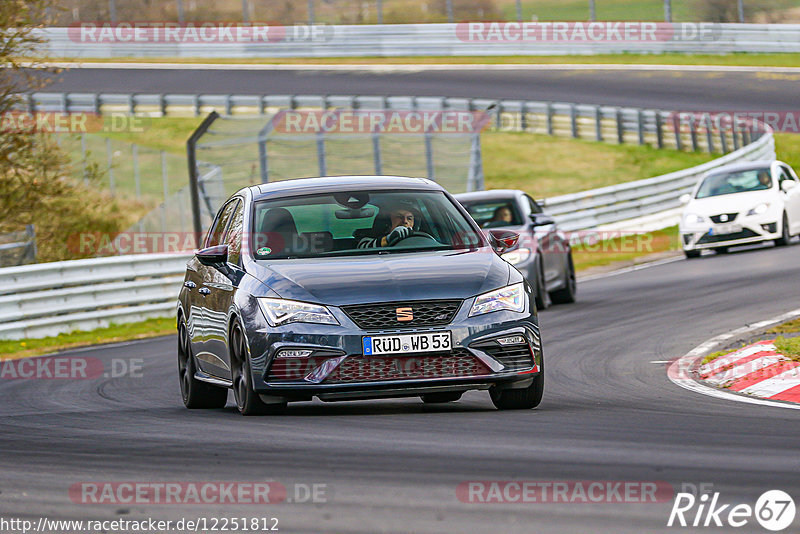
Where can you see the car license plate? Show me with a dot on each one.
(722, 229)
(398, 344)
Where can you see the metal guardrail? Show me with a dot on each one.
(49, 298)
(449, 40)
(621, 202)
(18, 248)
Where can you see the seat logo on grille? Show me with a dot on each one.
(404, 314)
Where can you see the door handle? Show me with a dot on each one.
(189, 284)
(204, 291)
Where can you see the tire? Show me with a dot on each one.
(566, 294)
(247, 400)
(690, 254)
(721, 250)
(195, 393)
(542, 297)
(440, 398)
(520, 399)
(785, 237)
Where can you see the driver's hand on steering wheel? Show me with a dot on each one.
(398, 234)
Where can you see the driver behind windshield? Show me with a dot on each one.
(401, 226)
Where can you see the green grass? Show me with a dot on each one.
(620, 251)
(786, 328)
(787, 146)
(789, 347)
(547, 166)
(10, 349)
(714, 355)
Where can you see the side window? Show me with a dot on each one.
(233, 236)
(785, 174)
(535, 208)
(220, 223)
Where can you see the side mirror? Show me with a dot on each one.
(212, 256)
(788, 185)
(541, 219)
(503, 240)
(685, 198)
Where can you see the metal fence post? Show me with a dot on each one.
(165, 185)
(181, 17)
(523, 119)
(323, 168)
(136, 176)
(191, 157)
(132, 103)
(620, 127)
(429, 156)
(709, 133)
(310, 12)
(97, 103)
(640, 125)
(245, 11)
(549, 117)
(162, 102)
(693, 133)
(498, 116)
(573, 120)
(110, 156)
(519, 10)
(83, 159)
(598, 123)
(676, 127)
(380, 11)
(449, 8)
(659, 129)
(31, 103)
(667, 10)
(376, 153)
(592, 11)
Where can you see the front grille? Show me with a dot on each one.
(357, 368)
(514, 358)
(729, 217)
(384, 315)
(745, 233)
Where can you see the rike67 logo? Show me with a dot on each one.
(774, 510)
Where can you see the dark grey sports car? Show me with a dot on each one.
(543, 253)
(349, 288)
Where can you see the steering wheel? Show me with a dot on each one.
(417, 233)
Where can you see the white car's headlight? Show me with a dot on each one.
(693, 218)
(759, 210)
(506, 298)
(281, 311)
(517, 256)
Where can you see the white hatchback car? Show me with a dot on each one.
(741, 204)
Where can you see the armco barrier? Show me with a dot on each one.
(451, 40)
(49, 298)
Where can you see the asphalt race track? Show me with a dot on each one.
(393, 466)
(674, 90)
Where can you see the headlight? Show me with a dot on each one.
(280, 312)
(517, 256)
(506, 298)
(758, 210)
(693, 218)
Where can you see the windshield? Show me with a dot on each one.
(493, 213)
(362, 222)
(735, 182)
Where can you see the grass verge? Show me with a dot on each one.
(786, 328)
(735, 60)
(13, 349)
(789, 347)
(625, 249)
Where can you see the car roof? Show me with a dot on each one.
(333, 184)
(746, 166)
(490, 194)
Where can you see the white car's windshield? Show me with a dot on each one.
(735, 182)
(363, 222)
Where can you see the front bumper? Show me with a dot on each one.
(741, 231)
(337, 369)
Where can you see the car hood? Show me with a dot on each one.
(385, 277)
(734, 203)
